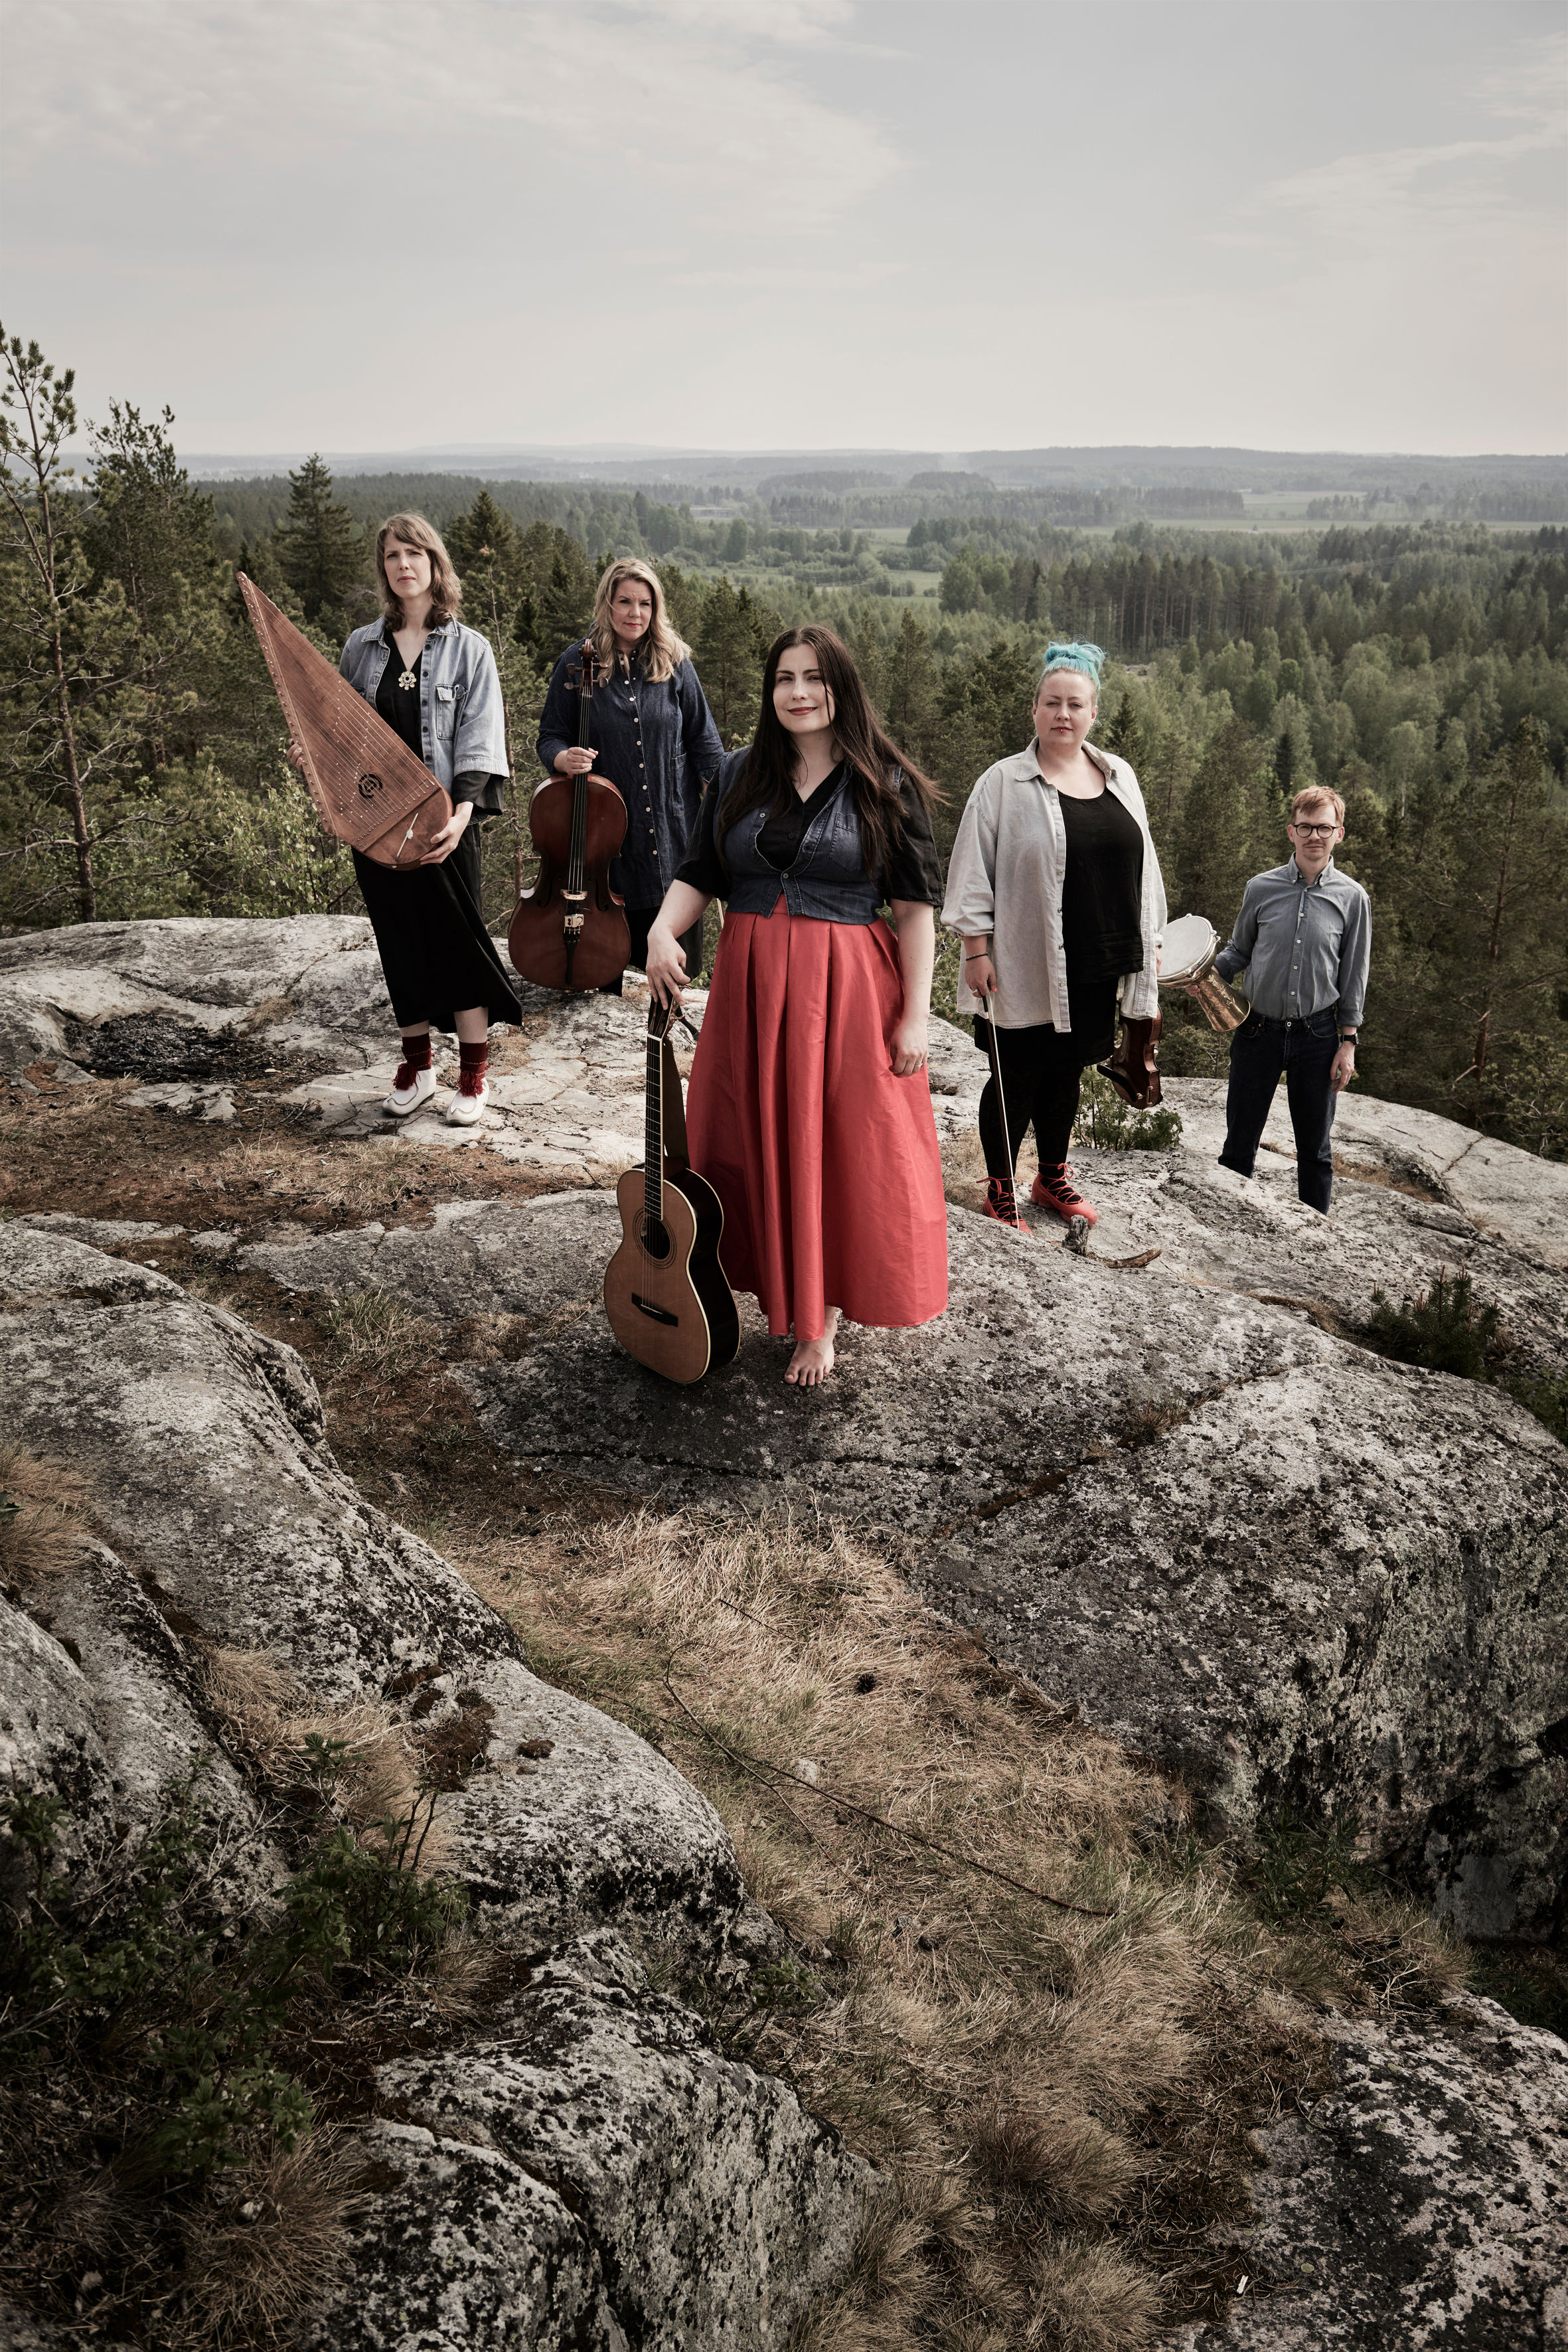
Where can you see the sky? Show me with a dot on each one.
(938, 224)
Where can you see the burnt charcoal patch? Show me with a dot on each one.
(162, 1050)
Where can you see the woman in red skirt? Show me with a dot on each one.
(809, 1108)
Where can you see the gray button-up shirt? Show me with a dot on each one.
(1304, 946)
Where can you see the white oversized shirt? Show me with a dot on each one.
(1004, 882)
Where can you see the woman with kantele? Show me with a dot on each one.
(809, 1108)
(1055, 888)
(654, 740)
(435, 683)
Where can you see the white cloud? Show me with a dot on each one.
(1428, 192)
(691, 93)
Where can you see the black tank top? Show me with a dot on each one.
(1102, 930)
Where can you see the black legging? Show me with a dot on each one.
(1042, 1070)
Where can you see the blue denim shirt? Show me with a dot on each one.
(461, 720)
(1305, 946)
(659, 748)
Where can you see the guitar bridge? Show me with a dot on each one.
(655, 1314)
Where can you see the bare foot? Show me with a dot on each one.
(813, 1359)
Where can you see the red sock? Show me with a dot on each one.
(416, 1058)
(472, 1061)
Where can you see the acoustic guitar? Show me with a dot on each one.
(665, 1292)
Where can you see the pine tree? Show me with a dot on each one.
(1231, 826)
(909, 689)
(1510, 852)
(729, 662)
(1120, 732)
(485, 536)
(319, 547)
(566, 606)
(147, 525)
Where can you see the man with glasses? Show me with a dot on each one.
(1304, 937)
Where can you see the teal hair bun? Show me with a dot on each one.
(1089, 659)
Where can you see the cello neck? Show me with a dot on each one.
(577, 854)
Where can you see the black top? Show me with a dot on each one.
(1102, 930)
(912, 870)
(399, 705)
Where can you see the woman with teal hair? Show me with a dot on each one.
(1055, 888)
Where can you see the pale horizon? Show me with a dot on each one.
(799, 225)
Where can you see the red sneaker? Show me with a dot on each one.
(1002, 1202)
(1052, 1190)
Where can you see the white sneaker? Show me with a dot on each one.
(403, 1099)
(467, 1110)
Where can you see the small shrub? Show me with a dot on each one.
(1547, 1400)
(1444, 1329)
(1105, 1123)
(1297, 1862)
(151, 2125)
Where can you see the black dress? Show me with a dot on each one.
(437, 957)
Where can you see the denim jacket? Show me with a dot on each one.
(461, 720)
(828, 882)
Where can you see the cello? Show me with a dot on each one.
(570, 930)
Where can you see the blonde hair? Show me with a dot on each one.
(1314, 796)
(445, 588)
(661, 652)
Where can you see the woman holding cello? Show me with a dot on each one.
(435, 683)
(809, 1107)
(654, 738)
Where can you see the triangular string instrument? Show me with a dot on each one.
(369, 789)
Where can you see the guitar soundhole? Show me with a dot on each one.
(654, 1239)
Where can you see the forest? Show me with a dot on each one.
(1418, 665)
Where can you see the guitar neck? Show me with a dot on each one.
(653, 1131)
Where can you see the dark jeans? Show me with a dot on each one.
(1305, 1050)
(639, 922)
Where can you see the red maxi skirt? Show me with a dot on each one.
(827, 1164)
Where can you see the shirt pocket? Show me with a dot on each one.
(444, 713)
(1331, 928)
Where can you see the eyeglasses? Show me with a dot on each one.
(1317, 832)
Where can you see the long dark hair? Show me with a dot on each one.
(875, 761)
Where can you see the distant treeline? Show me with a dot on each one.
(1421, 669)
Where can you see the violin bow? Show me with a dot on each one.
(997, 1070)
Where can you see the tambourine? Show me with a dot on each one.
(1192, 944)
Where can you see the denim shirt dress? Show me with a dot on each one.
(656, 744)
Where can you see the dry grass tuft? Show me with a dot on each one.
(357, 1762)
(1088, 2297)
(1060, 2099)
(374, 1341)
(1394, 1955)
(1072, 2165)
(42, 1533)
(277, 2245)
